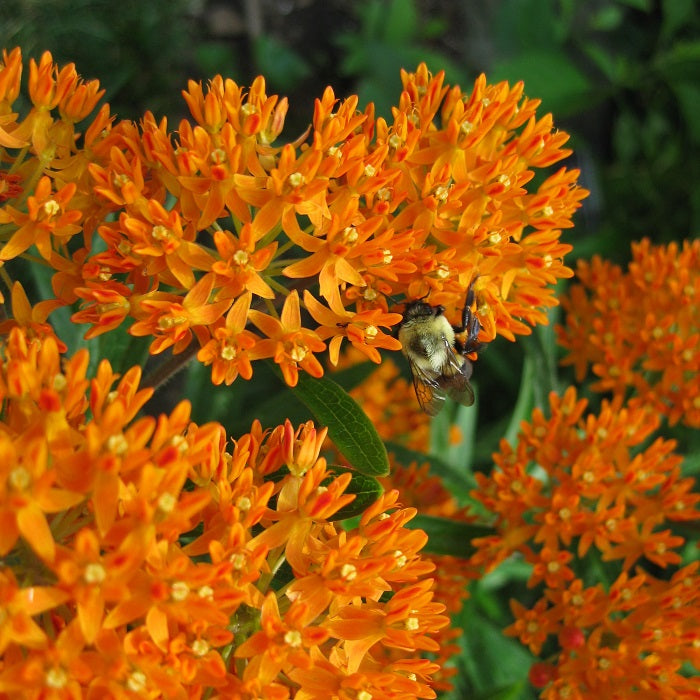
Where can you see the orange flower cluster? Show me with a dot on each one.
(577, 488)
(640, 329)
(389, 401)
(184, 235)
(144, 559)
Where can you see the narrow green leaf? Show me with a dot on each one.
(366, 489)
(447, 536)
(525, 401)
(350, 429)
(459, 456)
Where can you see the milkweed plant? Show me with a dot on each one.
(149, 555)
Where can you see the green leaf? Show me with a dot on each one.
(525, 401)
(281, 65)
(447, 536)
(366, 489)
(551, 76)
(349, 427)
(459, 456)
(491, 660)
(677, 14)
(509, 692)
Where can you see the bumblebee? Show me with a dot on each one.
(436, 355)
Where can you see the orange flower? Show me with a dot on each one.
(172, 323)
(48, 217)
(291, 345)
(227, 351)
(595, 488)
(109, 502)
(281, 642)
(639, 330)
(362, 329)
(413, 208)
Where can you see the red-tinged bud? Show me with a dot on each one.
(541, 674)
(571, 638)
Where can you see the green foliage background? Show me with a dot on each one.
(621, 76)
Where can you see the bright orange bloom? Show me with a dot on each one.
(291, 345)
(582, 482)
(172, 323)
(227, 351)
(361, 329)
(108, 502)
(359, 210)
(49, 222)
(639, 329)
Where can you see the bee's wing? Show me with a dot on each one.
(431, 396)
(454, 379)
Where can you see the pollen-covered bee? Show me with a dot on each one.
(436, 355)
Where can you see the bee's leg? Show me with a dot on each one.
(470, 324)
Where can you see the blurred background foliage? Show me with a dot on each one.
(621, 76)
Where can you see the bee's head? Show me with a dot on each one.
(421, 309)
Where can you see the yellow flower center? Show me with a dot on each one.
(369, 294)
(160, 233)
(199, 647)
(168, 322)
(51, 207)
(136, 682)
(298, 353)
(441, 193)
(349, 572)
(20, 479)
(206, 592)
(370, 170)
(293, 638)
(350, 234)
(228, 352)
(60, 382)
(179, 591)
(118, 444)
(56, 678)
(94, 573)
(241, 258)
(400, 558)
(167, 502)
(395, 141)
(218, 156)
(371, 332)
(296, 179)
(412, 624)
(238, 561)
